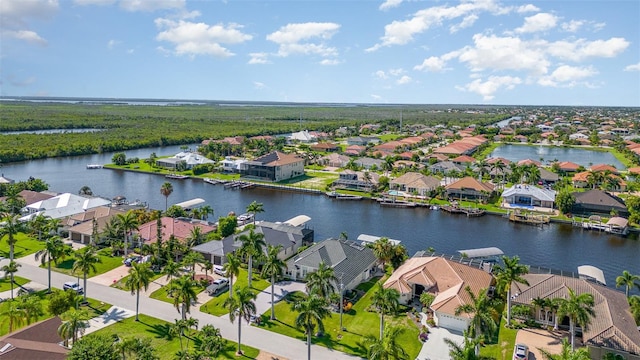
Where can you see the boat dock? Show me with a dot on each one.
(616, 225)
(528, 218)
(338, 196)
(236, 184)
(455, 209)
(214, 181)
(176, 176)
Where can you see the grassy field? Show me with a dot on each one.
(214, 306)
(165, 348)
(26, 245)
(312, 180)
(120, 283)
(503, 348)
(359, 323)
(5, 283)
(163, 295)
(107, 263)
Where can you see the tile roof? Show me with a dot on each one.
(277, 158)
(181, 229)
(471, 183)
(417, 180)
(36, 341)
(598, 197)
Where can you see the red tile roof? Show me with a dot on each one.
(180, 229)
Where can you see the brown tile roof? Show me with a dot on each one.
(31, 197)
(464, 159)
(37, 341)
(471, 183)
(180, 229)
(498, 159)
(278, 158)
(417, 180)
(568, 166)
(603, 167)
(529, 162)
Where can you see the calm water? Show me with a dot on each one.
(582, 157)
(556, 246)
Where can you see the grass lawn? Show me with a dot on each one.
(108, 263)
(163, 295)
(26, 245)
(120, 283)
(156, 330)
(359, 322)
(5, 283)
(312, 180)
(503, 348)
(214, 306)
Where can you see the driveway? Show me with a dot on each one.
(281, 289)
(111, 316)
(540, 339)
(435, 348)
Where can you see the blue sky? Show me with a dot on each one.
(394, 51)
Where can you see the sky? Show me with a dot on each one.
(572, 52)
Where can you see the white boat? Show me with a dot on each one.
(176, 176)
(94, 166)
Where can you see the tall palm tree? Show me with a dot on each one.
(386, 301)
(75, 323)
(383, 251)
(322, 281)
(506, 275)
(11, 227)
(628, 280)
(386, 348)
(579, 309)
(14, 313)
(183, 292)
(206, 211)
(311, 311)
(127, 222)
(255, 208)
(484, 313)
(38, 224)
(252, 246)
(232, 268)
(166, 189)
(191, 259)
(32, 306)
(54, 250)
(567, 353)
(139, 278)
(273, 267)
(466, 351)
(86, 260)
(634, 305)
(195, 237)
(172, 270)
(10, 269)
(241, 305)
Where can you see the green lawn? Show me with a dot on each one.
(26, 245)
(359, 323)
(156, 329)
(5, 283)
(503, 348)
(214, 306)
(120, 283)
(163, 295)
(108, 263)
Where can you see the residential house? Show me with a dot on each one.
(275, 166)
(301, 136)
(334, 160)
(5, 180)
(352, 262)
(469, 188)
(357, 180)
(464, 160)
(529, 162)
(415, 183)
(582, 180)
(568, 166)
(325, 147)
(612, 328)
(81, 226)
(548, 177)
(368, 163)
(233, 165)
(186, 160)
(447, 280)
(603, 167)
(63, 205)
(36, 341)
(31, 197)
(599, 202)
(179, 228)
(355, 150)
(522, 195)
(363, 140)
(446, 167)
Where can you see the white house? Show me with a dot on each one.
(190, 159)
(63, 205)
(529, 195)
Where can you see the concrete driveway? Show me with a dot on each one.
(540, 339)
(435, 348)
(111, 316)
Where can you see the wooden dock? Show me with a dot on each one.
(528, 218)
(470, 212)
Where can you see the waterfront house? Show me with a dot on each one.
(415, 183)
(568, 166)
(188, 160)
(447, 280)
(352, 262)
(368, 163)
(274, 166)
(301, 136)
(81, 226)
(598, 202)
(446, 167)
(470, 189)
(334, 160)
(581, 180)
(63, 205)
(5, 180)
(30, 196)
(36, 341)
(523, 195)
(179, 228)
(603, 167)
(232, 165)
(612, 328)
(216, 251)
(325, 147)
(357, 180)
(548, 177)
(363, 140)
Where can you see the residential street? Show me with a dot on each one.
(277, 344)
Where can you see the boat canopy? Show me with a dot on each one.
(298, 220)
(618, 221)
(372, 238)
(591, 273)
(482, 252)
(190, 203)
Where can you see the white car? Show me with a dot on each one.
(521, 352)
(217, 286)
(73, 286)
(218, 269)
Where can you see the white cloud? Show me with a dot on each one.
(388, 4)
(432, 64)
(151, 5)
(396, 72)
(130, 51)
(581, 49)
(403, 80)
(380, 74)
(527, 8)
(573, 25)
(25, 35)
(538, 22)
(16, 14)
(376, 97)
(567, 76)
(259, 58)
(633, 67)
(329, 62)
(93, 2)
(466, 22)
(190, 38)
(305, 39)
(112, 43)
(258, 85)
(488, 88)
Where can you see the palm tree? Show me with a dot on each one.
(183, 292)
(567, 353)
(54, 249)
(241, 305)
(321, 281)
(232, 268)
(579, 309)
(139, 278)
(76, 323)
(32, 306)
(85, 190)
(255, 208)
(634, 305)
(628, 280)
(191, 259)
(506, 275)
(172, 270)
(273, 267)
(205, 211)
(195, 237)
(383, 251)
(14, 313)
(466, 351)
(10, 269)
(543, 304)
(252, 245)
(211, 342)
(386, 301)
(127, 222)
(484, 315)
(206, 266)
(311, 311)
(11, 227)
(166, 189)
(86, 261)
(38, 224)
(386, 348)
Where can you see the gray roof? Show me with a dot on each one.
(347, 258)
(547, 175)
(530, 190)
(216, 247)
(598, 197)
(446, 166)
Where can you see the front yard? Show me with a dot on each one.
(214, 306)
(107, 263)
(25, 245)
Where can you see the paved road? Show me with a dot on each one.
(277, 344)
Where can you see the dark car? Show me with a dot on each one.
(131, 260)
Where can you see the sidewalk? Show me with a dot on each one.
(31, 286)
(111, 316)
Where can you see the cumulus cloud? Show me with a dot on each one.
(388, 4)
(573, 25)
(151, 5)
(191, 38)
(305, 39)
(581, 49)
(329, 62)
(432, 64)
(93, 2)
(404, 79)
(258, 58)
(567, 76)
(633, 67)
(258, 85)
(538, 22)
(466, 22)
(489, 87)
(380, 74)
(25, 35)
(527, 8)
(15, 16)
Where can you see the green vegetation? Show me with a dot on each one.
(162, 294)
(26, 245)
(158, 331)
(108, 263)
(215, 307)
(120, 283)
(5, 283)
(502, 348)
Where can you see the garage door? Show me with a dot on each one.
(452, 322)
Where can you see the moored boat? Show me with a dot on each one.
(176, 176)
(94, 166)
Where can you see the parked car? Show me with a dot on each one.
(130, 260)
(73, 286)
(521, 352)
(218, 269)
(217, 286)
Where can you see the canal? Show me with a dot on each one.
(555, 246)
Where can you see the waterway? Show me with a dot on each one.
(579, 156)
(556, 246)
